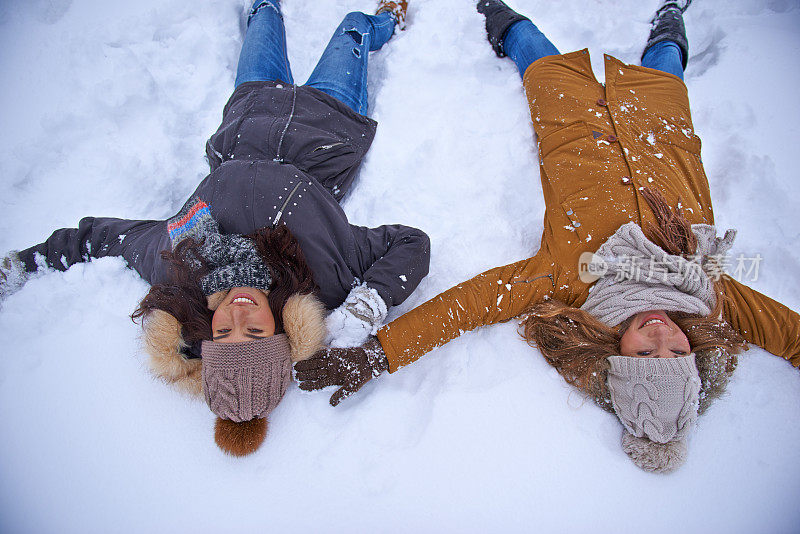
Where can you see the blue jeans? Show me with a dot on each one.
(342, 69)
(524, 44)
(665, 56)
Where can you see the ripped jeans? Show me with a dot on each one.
(341, 71)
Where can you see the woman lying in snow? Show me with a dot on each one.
(242, 273)
(647, 326)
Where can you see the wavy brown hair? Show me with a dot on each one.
(182, 297)
(578, 344)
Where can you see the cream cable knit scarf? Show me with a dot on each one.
(636, 275)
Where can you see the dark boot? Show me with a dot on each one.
(499, 18)
(668, 26)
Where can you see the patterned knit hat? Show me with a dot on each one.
(304, 323)
(247, 380)
(656, 400)
(242, 383)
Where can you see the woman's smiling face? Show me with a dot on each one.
(652, 334)
(243, 315)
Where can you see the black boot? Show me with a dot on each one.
(668, 26)
(499, 18)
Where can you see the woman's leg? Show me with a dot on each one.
(664, 56)
(342, 69)
(525, 43)
(667, 48)
(514, 35)
(263, 56)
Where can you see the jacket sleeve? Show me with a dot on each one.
(762, 321)
(393, 259)
(139, 242)
(497, 295)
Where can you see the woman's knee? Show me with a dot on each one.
(356, 24)
(259, 5)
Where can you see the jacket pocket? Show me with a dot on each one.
(581, 177)
(221, 145)
(689, 143)
(689, 183)
(328, 160)
(562, 137)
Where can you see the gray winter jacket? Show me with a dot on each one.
(284, 154)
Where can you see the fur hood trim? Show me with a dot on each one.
(303, 321)
(163, 342)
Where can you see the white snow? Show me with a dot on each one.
(106, 109)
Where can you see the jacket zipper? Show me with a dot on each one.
(326, 147)
(278, 158)
(280, 211)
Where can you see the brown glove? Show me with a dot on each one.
(350, 368)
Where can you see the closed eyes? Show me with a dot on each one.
(649, 352)
(252, 333)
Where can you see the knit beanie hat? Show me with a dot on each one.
(656, 400)
(247, 380)
(242, 383)
(304, 324)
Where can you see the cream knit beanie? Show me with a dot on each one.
(656, 400)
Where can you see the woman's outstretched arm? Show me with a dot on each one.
(392, 260)
(497, 295)
(494, 296)
(137, 241)
(395, 259)
(762, 321)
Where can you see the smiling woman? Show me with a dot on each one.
(243, 315)
(623, 183)
(654, 335)
(242, 273)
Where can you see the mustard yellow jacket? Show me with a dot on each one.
(598, 147)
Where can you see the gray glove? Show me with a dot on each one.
(359, 316)
(350, 368)
(12, 275)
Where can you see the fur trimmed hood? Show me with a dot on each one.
(303, 321)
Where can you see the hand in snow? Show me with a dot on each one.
(12, 275)
(350, 368)
(360, 315)
(345, 329)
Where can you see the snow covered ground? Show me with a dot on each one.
(106, 107)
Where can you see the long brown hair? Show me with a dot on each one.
(578, 344)
(182, 297)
